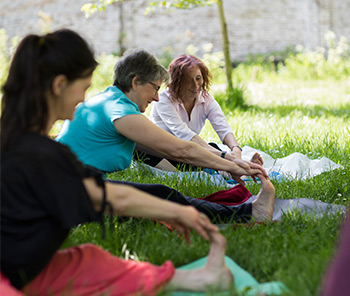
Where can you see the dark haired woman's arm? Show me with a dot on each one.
(128, 201)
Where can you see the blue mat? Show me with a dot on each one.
(272, 176)
(244, 283)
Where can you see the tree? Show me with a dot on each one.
(187, 4)
(98, 5)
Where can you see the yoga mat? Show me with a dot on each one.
(244, 283)
(295, 166)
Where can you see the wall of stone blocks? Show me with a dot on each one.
(254, 26)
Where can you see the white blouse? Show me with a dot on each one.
(172, 116)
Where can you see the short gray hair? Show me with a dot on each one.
(139, 63)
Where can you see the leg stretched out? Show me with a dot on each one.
(214, 275)
(261, 209)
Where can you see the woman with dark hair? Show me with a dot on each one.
(106, 128)
(185, 106)
(46, 190)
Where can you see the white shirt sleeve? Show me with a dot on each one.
(217, 119)
(167, 116)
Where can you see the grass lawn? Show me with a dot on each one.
(310, 117)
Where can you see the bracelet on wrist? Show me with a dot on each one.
(234, 146)
(223, 153)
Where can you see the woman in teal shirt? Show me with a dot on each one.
(106, 127)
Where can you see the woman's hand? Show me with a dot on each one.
(247, 168)
(232, 155)
(188, 217)
(236, 153)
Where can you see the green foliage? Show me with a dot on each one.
(97, 5)
(167, 56)
(231, 99)
(182, 4)
(331, 62)
(104, 73)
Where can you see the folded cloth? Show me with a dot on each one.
(244, 283)
(230, 197)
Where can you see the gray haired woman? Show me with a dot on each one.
(106, 128)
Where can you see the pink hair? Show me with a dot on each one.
(177, 70)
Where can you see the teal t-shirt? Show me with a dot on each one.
(92, 136)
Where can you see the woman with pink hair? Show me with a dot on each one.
(185, 106)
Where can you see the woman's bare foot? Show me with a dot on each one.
(256, 158)
(263, 204)
(219, 277)
(215, 275)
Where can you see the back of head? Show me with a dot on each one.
(35, 64)
(178, 69)
(139, 63)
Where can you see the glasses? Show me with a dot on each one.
(155, 87)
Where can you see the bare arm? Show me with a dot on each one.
(197, 139)
(231, 142)
(142, 131)
(128, 201)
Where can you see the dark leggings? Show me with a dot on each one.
(154, 160)
(217, 213)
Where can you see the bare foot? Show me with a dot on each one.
(215, 275)
(219, 277)
(263, 204)
(256, 158)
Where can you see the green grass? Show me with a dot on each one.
(279, 121)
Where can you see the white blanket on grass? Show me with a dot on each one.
(293, 166)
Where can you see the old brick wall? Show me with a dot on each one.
(254, 26)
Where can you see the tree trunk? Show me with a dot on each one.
(226, 46)
(121, 39)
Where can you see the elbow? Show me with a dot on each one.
(117, 197)
(185, 151)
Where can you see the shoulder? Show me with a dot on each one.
(165, 100)
(113, 103)
(33, 143)
(165, 96)
(210, 101)
(207, 97)
(206, 100)
(34, 150)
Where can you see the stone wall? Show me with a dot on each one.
(254, 26)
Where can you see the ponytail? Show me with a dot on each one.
(36, 62)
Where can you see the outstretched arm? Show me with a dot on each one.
(197, 139)
(229, 140)
(142, 131)
(128, 201)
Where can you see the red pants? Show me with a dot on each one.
(89, 270)
(6, 289)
